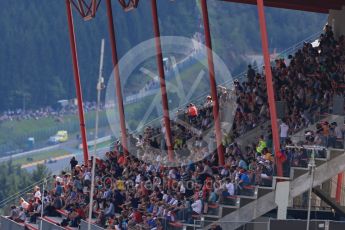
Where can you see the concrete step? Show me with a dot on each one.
(329, 200)
(31, 226)
(298, 185)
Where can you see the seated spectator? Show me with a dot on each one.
(51, 208)
(229, 188)
(21, 216)
(110, 210)
(14, 213)
(243, 181)
(37, 211)
(197, 206)
(23, 204)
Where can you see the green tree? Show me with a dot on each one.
(17, 182)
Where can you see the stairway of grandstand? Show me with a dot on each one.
(232, 211)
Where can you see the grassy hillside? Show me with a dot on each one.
(35, 60)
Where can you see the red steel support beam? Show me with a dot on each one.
(159, 57)
(213, 85)
(269, 83)
(80, 8)
(117, 77)
(94, 8)
(339, 187)
(77, 80)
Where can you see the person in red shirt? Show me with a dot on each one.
(192, 112)
(137, 217)
(122, 160)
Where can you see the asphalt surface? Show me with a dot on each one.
(63, 164)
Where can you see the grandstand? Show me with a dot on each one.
(257, 176)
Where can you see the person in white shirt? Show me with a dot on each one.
(58, 179)
(37, 193)
(230, 187)
(284, 129)
(338, 135)
(172, 174)
(197, 206)
(23, 203)
(182, 188)
(87, 178)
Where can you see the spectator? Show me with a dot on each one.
(37, 193)
(284, 129)
(14, 213)
(192, 112)
(37, 211)
(243, 181)
(73, 162)
(21, 216)
(23, 204)
(121, 180)
(338, 134)
(229, 188)
(250, 74)
(197, 206)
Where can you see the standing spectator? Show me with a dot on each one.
(250, 74)
(284, 129)
(192, 112)
(338, 135)
(73, 163)
(261, 145)
(37, 193)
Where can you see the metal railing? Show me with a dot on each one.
(24, 193)
(292, 49)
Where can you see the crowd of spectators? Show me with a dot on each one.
(306, 85)
(57, 113)
(138, 190)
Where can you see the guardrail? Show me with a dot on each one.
(7, 224)
(84, 226)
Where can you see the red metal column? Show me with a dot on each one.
(162, 80)
(77, 80)
(339, 187)
(213, 85)
(94, 8)
(117, 77)
(269, 83)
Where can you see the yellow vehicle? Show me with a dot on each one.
(59, 137)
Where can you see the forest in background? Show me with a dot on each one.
(35, 60)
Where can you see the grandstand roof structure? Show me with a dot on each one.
(318, 6)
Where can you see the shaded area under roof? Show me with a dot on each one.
(318, 6)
